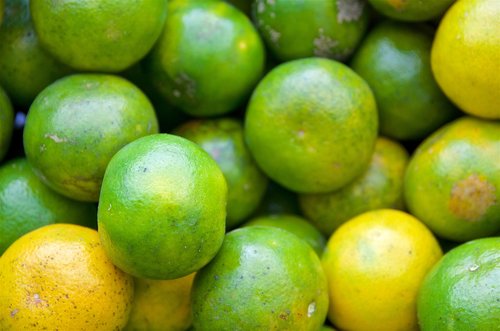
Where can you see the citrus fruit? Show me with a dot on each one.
(311, 125)
(223, 140)
(27, 204)
(6, 123)
(394, 59)
(2, 6)
(77, 124)
(278, 200)
(208, 59)
(452, 182)
(468, 34)
(25, 68)
(375, 264)
(162, 207)
(161, 305)
(106, 36)
(411, 10)
(462, 292)
(59, 278)
(263, 278)
(380, 186)
(293, 224)
(304, 28)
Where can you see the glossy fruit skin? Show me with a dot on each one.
(452, 182)
(27, 204)
(297, 225)
(77, 124)
(375, 264)
(161, 305)
(411, 10)
(223, 140)
(59, 278)
(263, 278)
(461, 292)
(116, 33)
(380, 186)
(394, 59)
(25, 67)
(6, 123)
(189, 64)
(162, 207)
(468, 33)
(303, 28)
(311, 125)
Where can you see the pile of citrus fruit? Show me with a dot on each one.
(250, 165)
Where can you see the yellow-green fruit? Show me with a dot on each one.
(77, 124)
(263, 278)
(380, 186)
(375, 264)
(27, 204)
(59, 278)
(161, 305)
(25, 67)
(223, 140)
(452, 182)
(311, 125)
(411, 10)
(462, 291)
(6, 123)
(95, 35)
(162, 207)
(208, 59)
(304, 28)
(465, 58)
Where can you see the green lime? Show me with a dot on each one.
(6, 123)
(162, 207)
(311, 125)
(77, 124)
(263, 278)
(462, 292)
(27, 204)
(294, 224)
(278, 200)
(380, 186)
(394, 59)
(208, 59)
(452, 182)
(25, 68)
(411, 10)
(304, 28)
(99, 35)
(223, 140)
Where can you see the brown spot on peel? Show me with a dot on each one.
(471, 197)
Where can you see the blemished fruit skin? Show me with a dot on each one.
(95, 35)
(462, 291)
(77, 124)
(411, 10)
(27, 204)
(161, 305)
(380, 186)
(297, 225)
(223, 139)
(465, 57)
(452, 182)
(25, 67)
(59, 278)
(304, 28)
(375, 264)
(6, 123)
(395, 61)
(311, 125)
(208, 59)
(263, 278)
(162, 207)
